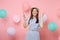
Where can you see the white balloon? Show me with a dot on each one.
(11, 31)
(16, 19)
(45, 17)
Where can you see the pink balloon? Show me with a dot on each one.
(26, 7)
(16, 19)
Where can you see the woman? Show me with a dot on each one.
(34, 23)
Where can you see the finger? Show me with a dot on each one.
(24, 16)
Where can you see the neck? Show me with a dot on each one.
(34, 16)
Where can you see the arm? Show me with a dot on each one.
(41, 23)
(25, 23)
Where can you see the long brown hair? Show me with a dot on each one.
(31, 17)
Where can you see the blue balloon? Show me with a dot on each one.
(3, 13)
(52, 26)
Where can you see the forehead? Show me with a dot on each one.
(34, 9)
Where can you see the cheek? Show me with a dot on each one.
(34, 13)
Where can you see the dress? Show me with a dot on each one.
(31, 34)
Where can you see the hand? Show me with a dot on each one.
(41, 24)
(25, 23)
(42, 14)
(24, 17)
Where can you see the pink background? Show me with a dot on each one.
(14, 7)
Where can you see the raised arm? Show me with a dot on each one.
(25, 21)
(41, 21)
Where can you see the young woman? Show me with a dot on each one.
(34, 23)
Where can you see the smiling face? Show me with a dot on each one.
(34, 12)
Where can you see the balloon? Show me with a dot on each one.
(26, 7)
(52, 26)
(11, 31)
(16, 19)
(45, 17)
(3, 13)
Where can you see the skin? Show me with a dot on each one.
(34, 15)
(34, 12)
